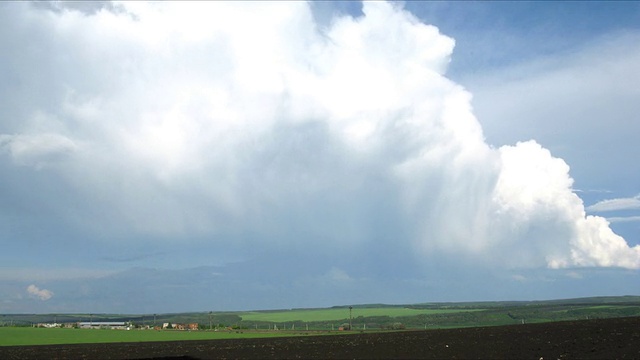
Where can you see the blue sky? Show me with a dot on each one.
(166, 157)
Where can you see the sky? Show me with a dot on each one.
(219, 156)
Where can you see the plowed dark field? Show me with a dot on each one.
(588, 339)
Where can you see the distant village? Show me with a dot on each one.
(117, 325)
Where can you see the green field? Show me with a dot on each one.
(17, 329)
(335, 314)
(42, 336)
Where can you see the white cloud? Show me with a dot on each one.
(37, 150)
(338, 275)
(616, 204)
(245, 124)
(595, 244)
(40, 294)
(574, 275)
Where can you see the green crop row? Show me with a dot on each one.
(41, 336)
(336, 314)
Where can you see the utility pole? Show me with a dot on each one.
(350, 308)
(209, 320)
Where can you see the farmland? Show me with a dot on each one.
(336, 314)
(41, 336)
(17, 329)
(617, 338)
(445, 315)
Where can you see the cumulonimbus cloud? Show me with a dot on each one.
(246, 120)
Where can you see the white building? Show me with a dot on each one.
(103, 325)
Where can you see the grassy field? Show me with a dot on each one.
(335, 314)
(42, 336)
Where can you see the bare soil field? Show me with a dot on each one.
(617, 338)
